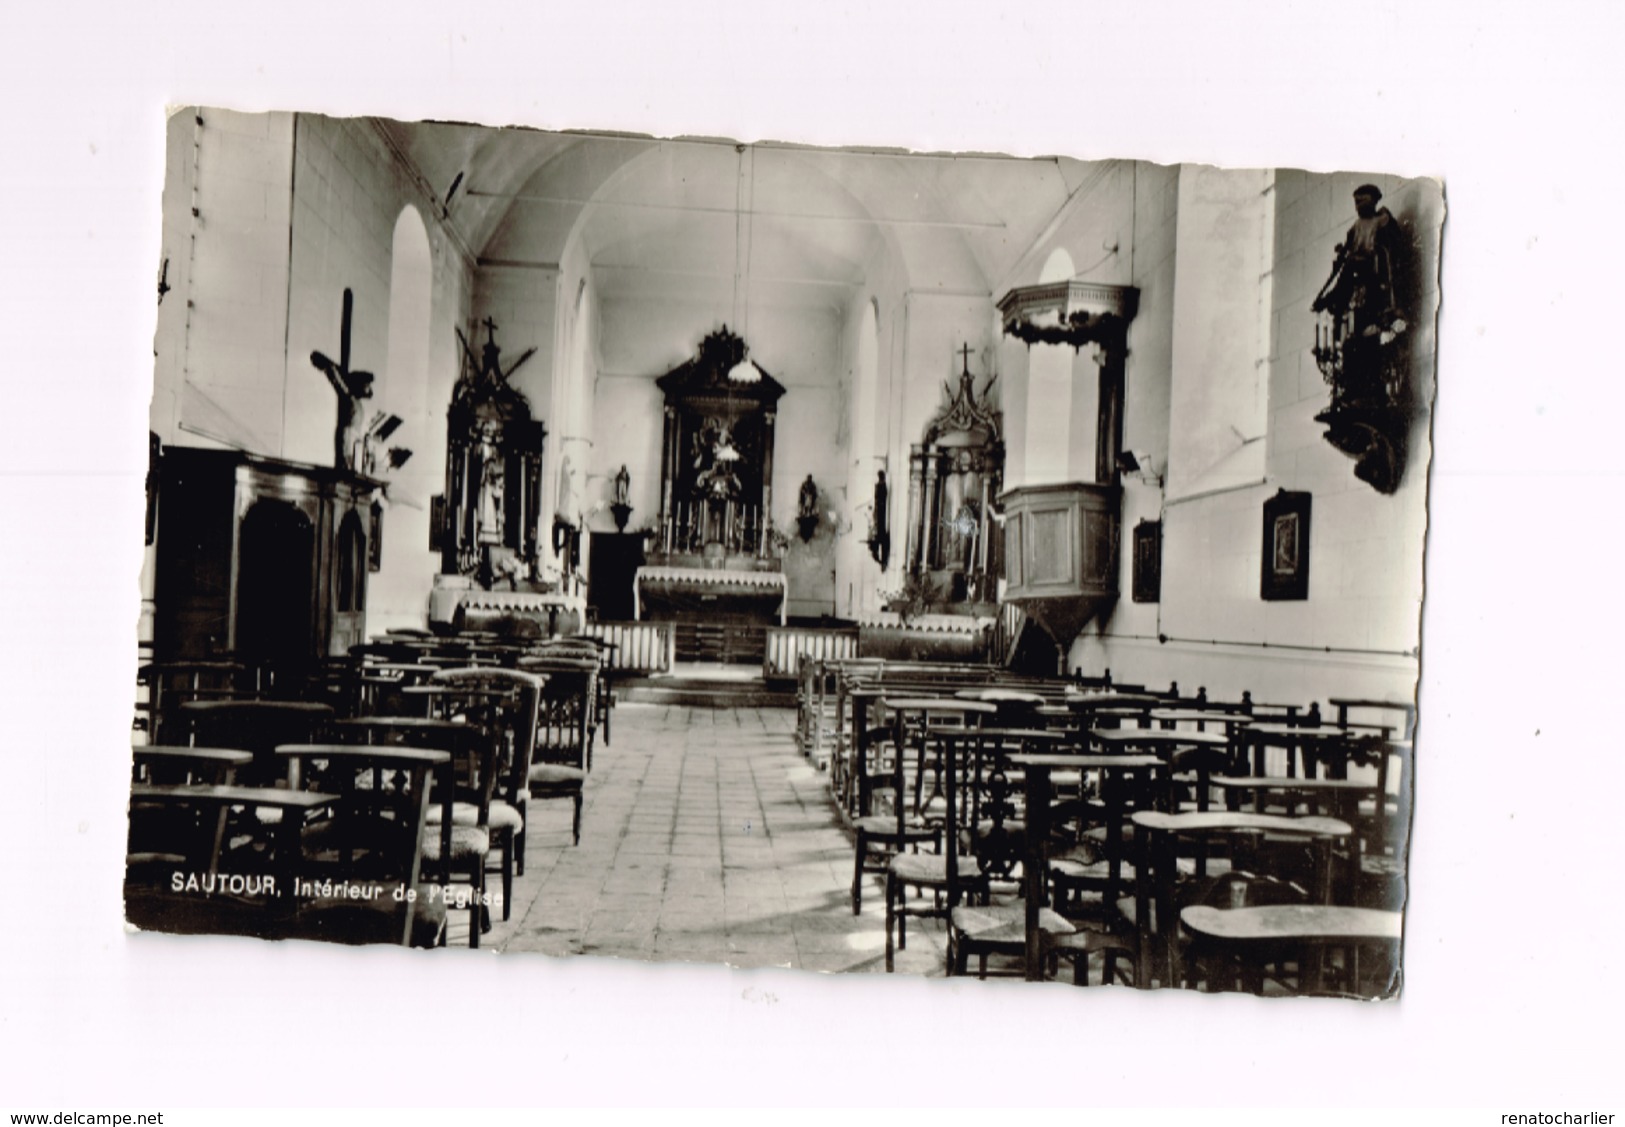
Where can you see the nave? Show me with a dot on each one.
(707, 838)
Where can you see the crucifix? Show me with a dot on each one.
(490, 367)
(350, 388)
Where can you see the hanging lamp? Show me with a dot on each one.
(744, 371)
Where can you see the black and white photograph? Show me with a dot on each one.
(651, 683)
(751, 556)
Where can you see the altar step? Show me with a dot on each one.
(701, 688)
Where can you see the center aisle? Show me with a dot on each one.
(705, 838)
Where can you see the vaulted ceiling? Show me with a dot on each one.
(783, 224)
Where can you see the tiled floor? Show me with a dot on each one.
(705, 838)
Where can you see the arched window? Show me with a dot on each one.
(411, 279)
(400, 557)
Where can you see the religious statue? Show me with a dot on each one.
(960, 516)
(351, 388)
(1361, 284)
(879, 535)
(807, 509)
(1360, 345)
(621, 507)
(714, 456)
(568, 508)
(491, 487)
(493, 495)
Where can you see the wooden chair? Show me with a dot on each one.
(878, 837)
(178, 880)
(512, 718)
(460, 853)
(1237, 944)
(594, 649)
(257, 726)
(1161, 890)
(925, 873)
(337, 865)
(561, 757)
(164, 686)
(201, 766)
(363, 862)
(998, 929)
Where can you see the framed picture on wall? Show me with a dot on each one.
(1148, 561)
(1285, 573)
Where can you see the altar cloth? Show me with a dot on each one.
(707, 582)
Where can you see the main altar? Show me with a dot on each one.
(716, 557)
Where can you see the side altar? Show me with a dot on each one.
(715, 557)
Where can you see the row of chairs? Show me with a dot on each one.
(1090, 881)
(445, 792)
(366, 679)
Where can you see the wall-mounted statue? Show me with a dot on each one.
(807, 509)
(351, 388)
(621, 507)
(879, 533)
(1361, 344)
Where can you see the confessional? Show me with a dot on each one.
(259, 557)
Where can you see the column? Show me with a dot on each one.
(930, 516)
(1109, 427)
(916, 506)
(668, 442)
(768, 431)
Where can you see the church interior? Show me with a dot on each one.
(892, 561)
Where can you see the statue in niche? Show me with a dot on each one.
(491, 486)
(1360, 344)
(956, 467)
(493, 465)
(961, 516)
(714, 456)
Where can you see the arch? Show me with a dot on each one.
(581, 228)
(405, 565)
